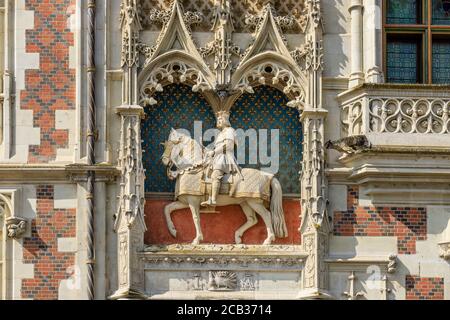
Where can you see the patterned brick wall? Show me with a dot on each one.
(407, 224)
(418, 288)
(41, 249)
(52, 86)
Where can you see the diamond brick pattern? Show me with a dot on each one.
(52, 86)
(41, 249)
(418, 288)
(407, 224)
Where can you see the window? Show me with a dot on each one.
(417, 41)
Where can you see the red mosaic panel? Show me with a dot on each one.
(407, 224)
(217, 228)
(418, 288)
(41, 249)
(51, 87)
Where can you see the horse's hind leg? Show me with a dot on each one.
(251, 221)
(167, 213)
(194, 205)
(265, 214)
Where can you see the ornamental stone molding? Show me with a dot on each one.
(222, 71)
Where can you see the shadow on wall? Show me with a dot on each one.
(334, 38)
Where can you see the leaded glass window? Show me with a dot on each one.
(416, 41)
(441, 12)
(441, 61)
(403, 11)
(402, 61)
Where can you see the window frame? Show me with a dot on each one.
(426, 29)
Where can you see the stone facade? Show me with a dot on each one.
(370, 218)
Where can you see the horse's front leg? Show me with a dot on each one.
(167, 213)
(194, 205)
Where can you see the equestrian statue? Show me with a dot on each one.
(210, 177)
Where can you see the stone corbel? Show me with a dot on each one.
(444, 246)
(16, 227)
(445, 250)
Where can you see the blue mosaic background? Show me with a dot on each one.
(179, 107)
(267, 109)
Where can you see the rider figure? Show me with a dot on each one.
(223, 160)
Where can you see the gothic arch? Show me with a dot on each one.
(174, 67)
(268, 60)
(175, 56)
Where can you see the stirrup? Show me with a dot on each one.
(208, 203)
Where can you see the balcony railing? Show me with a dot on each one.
(397, 114)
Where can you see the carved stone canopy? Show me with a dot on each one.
(177, 58)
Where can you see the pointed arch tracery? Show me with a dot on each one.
(174, 58)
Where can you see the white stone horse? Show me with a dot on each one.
(180, 151)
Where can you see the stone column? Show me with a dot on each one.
(130, 224)
(357, 74)
(372, 39)
(314, 226)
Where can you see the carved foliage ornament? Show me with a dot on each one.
(275, 73)
(132, 198)
(131, 25)
(271, 74)
(171, 72)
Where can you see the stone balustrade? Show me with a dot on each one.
(397, 115)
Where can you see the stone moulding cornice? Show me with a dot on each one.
(56, 173)
(226, 248)
(250, 262)
(370, 172)
(385, 89)
(243, 255)
(361, 263)
(103, 172)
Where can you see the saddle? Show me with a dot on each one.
(226, 184)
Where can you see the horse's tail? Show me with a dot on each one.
(276, 210)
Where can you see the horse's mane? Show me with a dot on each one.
(197, 164)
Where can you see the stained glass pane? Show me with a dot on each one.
(441, 61)
(441, 12)
(403, 12)
(402, 61)
(178, 107)
(267, 109)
